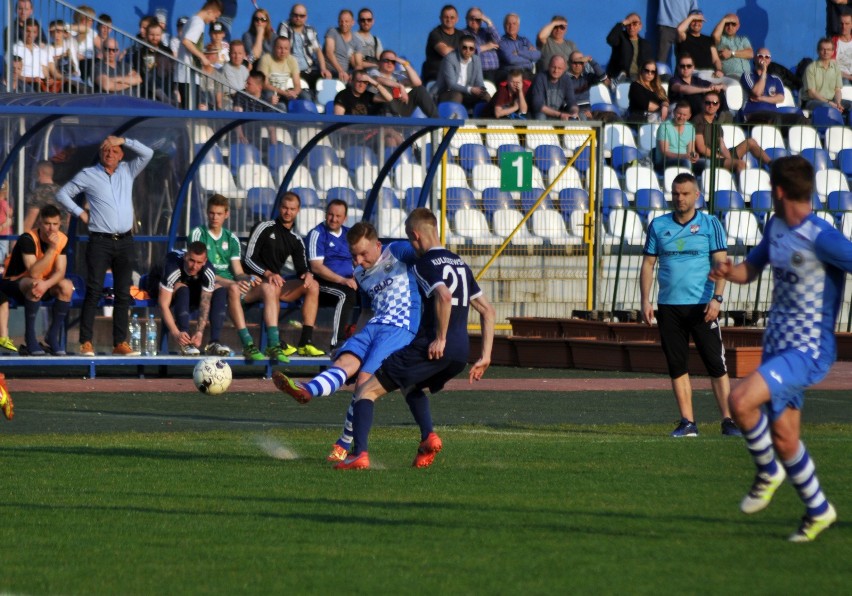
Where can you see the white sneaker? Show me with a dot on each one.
(761, 492)
(189, 350)
(812, 526)
(214, 348)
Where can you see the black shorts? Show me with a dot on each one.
(677, 323)
(411, 367)
(11, 288)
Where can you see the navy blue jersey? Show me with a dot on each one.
(173, 272)
(438, 267)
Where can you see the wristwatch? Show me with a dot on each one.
(718, 298)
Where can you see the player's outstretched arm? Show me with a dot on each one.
(486, 317)
(741, 273)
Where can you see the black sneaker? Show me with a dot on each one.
(730, 428)
(686, 428)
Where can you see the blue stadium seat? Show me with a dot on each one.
(776, 152)
(388, 199)
(573, 199)
(844, 161)
(479, 109)
(725, 200)
(647, 199)
(825, 116)
(309, 197)
(322, 155)
(243, 154)
(663, 69)
(583, 162)
(407, 156)
(459, 198)
(302, 106)
(839, 202)
(816, 202)
(280, 155)
(213, 156)
(549, 155)
(259, 202)
(623, 156)
(761, 205)
(529, 197)
(494, 199)
(345, 194)
(358, 155)
(509, 148)
(819, 158)
(412, 197)
(329, 107)
(451, 109)
(471, 154)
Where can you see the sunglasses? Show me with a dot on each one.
(649, 71)
(360, 82)
(710, 102)
(385, 60)
(475, 19)
(365, 20)
(577, 62)
(559, 27)
(112, 49)
(685, 66)
(470, 48)
(298, 16)
(261, 19)
(764, 56)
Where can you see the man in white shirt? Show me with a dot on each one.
(191, 51)
(843, 48)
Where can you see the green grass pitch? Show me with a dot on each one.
(534, 493)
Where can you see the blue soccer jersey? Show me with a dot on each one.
(391, 287)
(437, 267)
(332, 249)
(684, 253)
(809, 263)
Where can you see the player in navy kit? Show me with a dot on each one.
(809, 259)
(439, 351)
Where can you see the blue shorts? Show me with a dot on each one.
(788, 374)
(411, 367)
(374, 343)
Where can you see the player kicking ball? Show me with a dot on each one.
(439, 351)
(809, 260)
(386, 278)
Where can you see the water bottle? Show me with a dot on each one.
(135, 334)
(151, 336)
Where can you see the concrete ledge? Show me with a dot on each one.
(141, 362)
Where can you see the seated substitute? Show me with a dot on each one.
(188, 282)
(269, 246)
(35, 272)
(331, 264)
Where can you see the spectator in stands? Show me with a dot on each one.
(63, 52)
(371, 45)
(188, 283)
(699, 46)
(282, 73)
(143, 26)
(583, 74)
(229, 11)
(487, 42)
(84, 33)
(36, 58)
(259, 37)
(155, 66)
(217, 41)
(6, 219)
(16, 83)
(764, 93)
(442, 40)
(552, 95)
(516, 51)
(36, 272)
(112, 77)
(688, 86)
(108, 188)
(730, 159)
(342, 47)
(174, 42)
(629, 50)
(510, 101)
(42, 195)
(647, 96)
(270, 245)
(460, 77)
(210, 87)
(331, 264)
(834, 13)
(250, 101)
(234, 74)
(676, 140)
(357, 99)
(103, 30)
(305, 46)
(224, 254)
(734, 50)
(23, 12)
(843, 48)
(406, 88)
(551, 41)
(191, 54)
(671, 14)
(823, 82)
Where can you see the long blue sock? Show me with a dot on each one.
(759, 444)
(802, 474)
(60, 313)
(30, 313)
(418, 403)
(180, 306)
(327, 382)
(362, 421)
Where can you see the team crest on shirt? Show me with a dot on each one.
(224, 246)
(693, 229)
(797, 258)
(272, 236)
(388, 267)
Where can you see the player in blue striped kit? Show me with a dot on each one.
(385, 278)
(809, 259)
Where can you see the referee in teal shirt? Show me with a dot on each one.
(687, 243)
(108, 187)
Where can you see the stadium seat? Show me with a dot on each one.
(819, 158)
(742, 227)
(844, 161)
(358, 155)
(471, 224)
(769, 137)
(639, 176)
(839, 202)
(459, 198)
(825, 116)
(733, 135)
(342, 193)
(609, 179)
(388, 199)
(550, 226)
(625, 225)
(479, 109)
(509, 148)
(615, 135)
(818, 202)
(309, 218)
(570, 178)
(727, 200)
(407, 175)
(217, 179)
(623, 156)
(837, 138)
(302, 106)
(472, 154)
(327, 90)
(452, 110)
(353, 215)
(280, 155)
(505, 222)
(494, 199)
(583, 160)
(828, 181)
(542, 135)
(412, 198)
(485, 175)
(322, 155)
(734, 97)
(365, 176)
(330, 176)
(392, 223)
(669, 174)
(406, 156)
(801, 137)
(753, 180)
(506, 136)
(462, 138)
(302, 176)
(761, 204)
(308, 196)
(455, 175)
(573, 199)
(214, 155)
(648, 138)
(530, 197)
(622, 99)
(663, 69)
(612, 200)
(242, 154)
(600, 94)
(548, 155)
(255, 175)
(647, 200)
(259, 202)
(724, 181)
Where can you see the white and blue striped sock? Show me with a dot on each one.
(345, 439)
(759, 444)
(802, 474)
(327, 382)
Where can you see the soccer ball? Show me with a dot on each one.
(212, 376)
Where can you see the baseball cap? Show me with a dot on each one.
(182, 21)
(696, 12)
(217, 27)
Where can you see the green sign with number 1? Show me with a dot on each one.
(516, 171)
